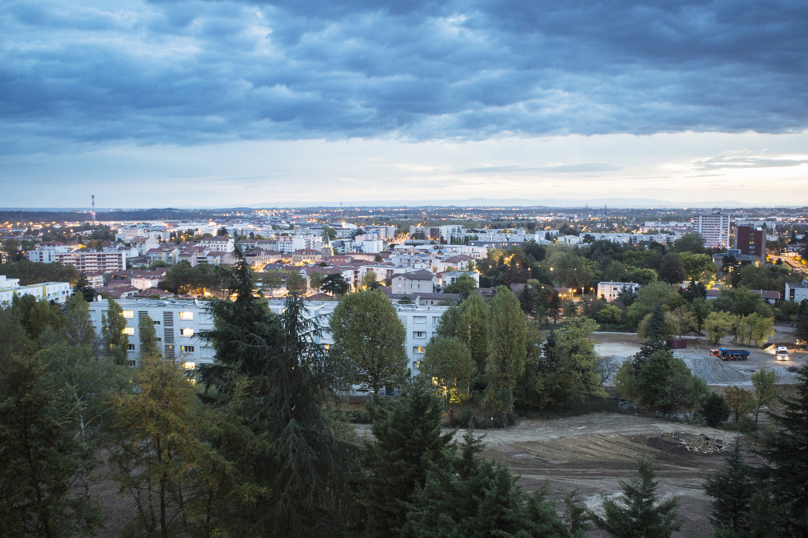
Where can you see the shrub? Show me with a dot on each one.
(715, 410)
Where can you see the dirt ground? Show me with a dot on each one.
(591, 453)
(619, 346)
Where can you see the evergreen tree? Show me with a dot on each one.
(784, 450)
(640, 515)
(472, 497)
(801, 331)
(656, 325)
(407, 441)
(41, 459)
(273, 384)
(732, 489)
(715, 410)
(83, 289)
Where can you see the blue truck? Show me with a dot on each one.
(730, 354)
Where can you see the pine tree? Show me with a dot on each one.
(469, 496)
(407, 441)
(641, 515)
(732, 489)
(801, 331)
(656, 325)
(784, 450)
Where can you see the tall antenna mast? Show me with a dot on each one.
(93, 213)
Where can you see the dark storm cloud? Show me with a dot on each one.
(190, 72)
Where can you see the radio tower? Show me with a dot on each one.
(93, 212)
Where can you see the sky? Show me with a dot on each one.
(189, 103)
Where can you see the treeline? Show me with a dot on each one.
(29, 272)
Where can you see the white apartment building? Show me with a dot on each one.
(223, 244)
(179, 323)
(58, 292)
(93, 262)
(44, 252)
(714, 228)
(611, 290)
(797, 291)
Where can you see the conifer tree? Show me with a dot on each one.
(640, 515)
(656, 325)
(784, 450)
(732, 489)
(801, 331)
(407, 441)
(469, 496)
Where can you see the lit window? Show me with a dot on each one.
(186, 349)
(418, 349)
(188, 365)
(187, 332)
(128, 314)
(129, 330)
(186, 315)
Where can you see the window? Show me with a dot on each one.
(129, 330)
(419, 334)
(128, 314)
(187, 315)
(419, 319)
(416, 365)
(188, 365)
(186, 349)
(418, 349)
(130, 347)
(435, 321)
(187, 332)
(157, 323)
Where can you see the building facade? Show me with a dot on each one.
(611, 290)
(93, 262)
(58, 292)
(714, 228)
(797, 291)
(750, 242)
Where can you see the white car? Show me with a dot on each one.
(781, 353)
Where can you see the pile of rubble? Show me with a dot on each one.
(701, 443)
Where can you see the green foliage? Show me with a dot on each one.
(665, 384)
(463, 285)
(506, 348)
(156, 449)
(271, 387)
(732, 489)
(784, 449)
(718, 325)
(116, 342)
(407, 441)
(29, 272)
(295, 283)
(801, 330)
(672, 268)
(563, 369)
(701, 310)
(740, 401)
(610, 315)
(625, 381)
(37, 317)
(641, 514)
(42, 462)
(692, 242)
(448, 360)
(148, 337)
(182, 279)
(271, 281)
(655, 326)
(715, 410)
(741, 302)
(470, 496)
(336, 285)
(571, 270)
(366, 328)
(698, 266)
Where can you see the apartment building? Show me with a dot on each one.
(797, 291)
(178, 324)
(93, 262)
(45, 252)
(714, 228)
(58, 292)
(611, 290)
(750, 242)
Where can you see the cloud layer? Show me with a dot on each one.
(192, 72)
